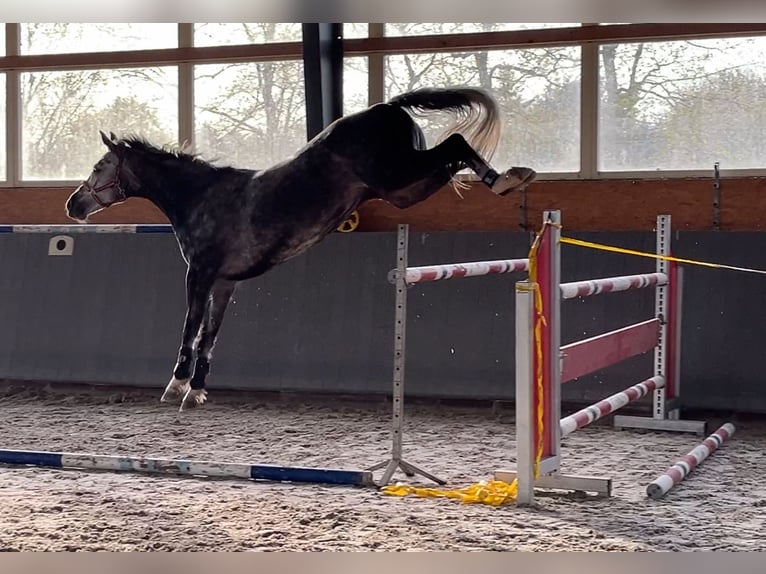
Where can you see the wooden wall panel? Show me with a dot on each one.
(46, 206)
(597, 205)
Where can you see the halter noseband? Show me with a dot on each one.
(114, 183)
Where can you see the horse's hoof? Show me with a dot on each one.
(515, 179)
(175, 389)
(193, 398)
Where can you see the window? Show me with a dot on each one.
(678, 105)
(222, 34)
(249, 115)
(355, 30)
(411, 29)
(538, 91)
(355, 84)
(682, 105)
(63, 111)
(63, 38)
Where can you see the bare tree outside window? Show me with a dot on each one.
(682, 105)
(538, 91)
(679, 105)
(62, 113)
(250, 115)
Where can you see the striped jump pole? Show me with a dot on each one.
(612, 285)
(428, 273)
(592, 413)
(661, 485)
(88, 228)
(192, 468)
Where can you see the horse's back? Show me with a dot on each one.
(373, 130)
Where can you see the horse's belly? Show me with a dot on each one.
(296, 247)
(255, 258)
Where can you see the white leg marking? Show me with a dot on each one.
(193, 398)
(175, 389)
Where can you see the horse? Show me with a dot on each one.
(233, 224)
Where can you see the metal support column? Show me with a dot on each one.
(400, 330)
(668, 301)
(323, 74)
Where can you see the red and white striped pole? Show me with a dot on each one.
(608, 405)
(682, 468)
(612, 285)
(428, 273)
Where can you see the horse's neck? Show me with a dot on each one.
(171, 196)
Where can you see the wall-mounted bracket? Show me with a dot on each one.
(61, 245)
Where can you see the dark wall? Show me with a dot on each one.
(112, 313)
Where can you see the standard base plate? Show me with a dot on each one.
(600, 486)
(648, 423)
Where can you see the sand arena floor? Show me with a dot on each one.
(722, 506)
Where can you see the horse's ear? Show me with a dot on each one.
(112, 136)
(107, 142)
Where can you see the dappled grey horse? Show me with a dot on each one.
(235, 224)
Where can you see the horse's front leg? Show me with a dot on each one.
(216, 310)
(198, 289)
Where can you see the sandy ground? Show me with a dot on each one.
(722, 506)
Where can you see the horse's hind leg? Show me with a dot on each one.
(514, 179)
(216, 310)
(421, 173)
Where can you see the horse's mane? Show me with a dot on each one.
(178, 152)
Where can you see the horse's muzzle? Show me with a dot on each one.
(75, 206)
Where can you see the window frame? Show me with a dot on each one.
(374, 47)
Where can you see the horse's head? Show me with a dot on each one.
(103, 187)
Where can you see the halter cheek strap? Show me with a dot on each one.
(114, 183)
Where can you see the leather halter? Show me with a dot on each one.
(114, 183)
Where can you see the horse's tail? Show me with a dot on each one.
(478, 118)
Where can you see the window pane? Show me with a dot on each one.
(63, 38)
(356, 30)
(538, 91)
(682, 105)
(214, 34)
(249, 115)
(2, 40)
(63, 111)
(355, 84)
(413, 29)
(3, 153)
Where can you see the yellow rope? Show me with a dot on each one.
(602, 247)
(539, 324)
(498, 492)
